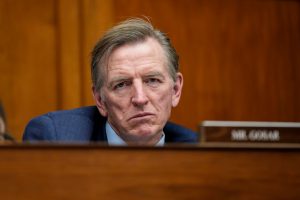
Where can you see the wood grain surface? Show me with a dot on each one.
(97, 172)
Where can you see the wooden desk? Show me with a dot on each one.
(97, 172)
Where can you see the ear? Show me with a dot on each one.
(177, 88)
(99, 102)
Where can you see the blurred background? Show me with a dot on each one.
(240, 59)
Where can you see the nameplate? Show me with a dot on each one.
(253, 132)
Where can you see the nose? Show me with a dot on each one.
(139, 97)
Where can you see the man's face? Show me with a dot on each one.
(138, 92)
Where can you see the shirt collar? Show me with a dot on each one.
(115, 140)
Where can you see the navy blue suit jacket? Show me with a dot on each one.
(86, 124)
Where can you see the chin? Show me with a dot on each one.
(144, 132)
(143, 135)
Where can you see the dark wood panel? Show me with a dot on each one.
(27, 60)
(148, 173)
(97, 17)
(239, 58)
(69, 54)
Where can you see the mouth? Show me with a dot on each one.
(141, 115)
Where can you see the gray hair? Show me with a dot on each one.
(129, 31)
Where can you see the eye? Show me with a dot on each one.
(153, 81)
(121, 85)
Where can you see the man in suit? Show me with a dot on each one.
(136, 82)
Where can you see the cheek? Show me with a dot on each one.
(164, 99)
(116, 106)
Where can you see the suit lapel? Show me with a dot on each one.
(99, 131)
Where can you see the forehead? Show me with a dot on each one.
(136, 53)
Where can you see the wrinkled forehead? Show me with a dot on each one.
(135, 51)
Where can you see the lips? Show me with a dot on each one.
(141, 115)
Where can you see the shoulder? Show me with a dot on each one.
(64, 125)
(86, 114)
(175, 133)
(88, 111)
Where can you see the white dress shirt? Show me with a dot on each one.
(114, 139)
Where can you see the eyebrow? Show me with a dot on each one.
(154, 74)
(122, 78)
